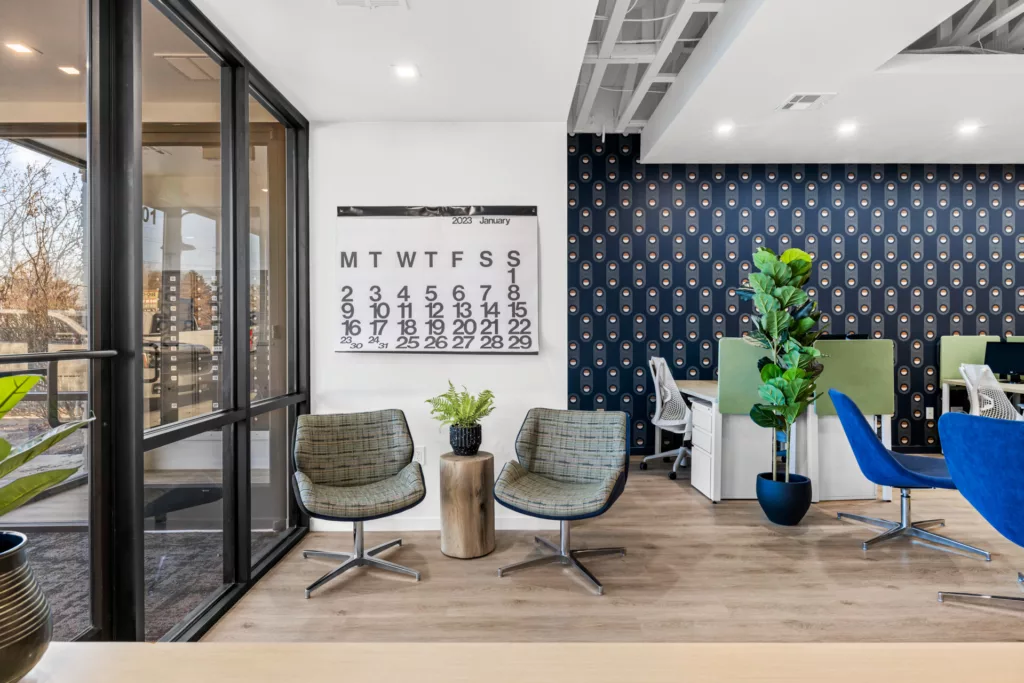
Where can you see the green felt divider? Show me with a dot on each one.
(1015, 338)
(738, 376)
(957, 349)
(863, 369)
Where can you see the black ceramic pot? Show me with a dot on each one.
(784, 502)
(465, 440)
(25, 622)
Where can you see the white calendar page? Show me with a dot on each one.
(437, 283)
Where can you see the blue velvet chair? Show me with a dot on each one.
(905, 472)
(986, 458)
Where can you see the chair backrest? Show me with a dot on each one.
(876, 462)
(354, 448)
(986, 460)
(576, 446)
(987, 398)
(669, 407)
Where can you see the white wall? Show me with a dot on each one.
(415, 164)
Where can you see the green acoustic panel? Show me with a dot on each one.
(738, 376)
(957, 349)
(1014, 338)
(863, 369)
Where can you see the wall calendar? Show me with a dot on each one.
(454, 279)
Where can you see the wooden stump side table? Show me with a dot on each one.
(467, 505)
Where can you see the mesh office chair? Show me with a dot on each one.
(670, 414)
(986, 396)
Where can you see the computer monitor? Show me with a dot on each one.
(1005, 358)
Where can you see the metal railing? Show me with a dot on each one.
(52, 360)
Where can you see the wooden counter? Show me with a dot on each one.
(514, 663)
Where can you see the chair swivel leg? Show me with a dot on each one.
(564, 556)
(359, 557)
(913, 530)
(981, 598)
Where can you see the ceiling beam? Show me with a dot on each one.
(998, 21)
(638, 53)
(1015, 39)
(969, 21)
(611, 32)
(668, 41)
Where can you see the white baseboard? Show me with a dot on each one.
(403, 523)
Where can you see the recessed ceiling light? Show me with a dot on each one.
(969, 127)
(407, 72)
(847, 128)
(20, 49)
(725, 128)
(69, 70)
(266, 190)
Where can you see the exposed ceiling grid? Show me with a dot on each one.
(636, 48)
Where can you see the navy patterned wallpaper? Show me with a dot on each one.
(902, 252)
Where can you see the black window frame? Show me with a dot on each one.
(115, 213)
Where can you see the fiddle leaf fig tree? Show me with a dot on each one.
(785, 327)
(17, 492)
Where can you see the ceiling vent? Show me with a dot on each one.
(806, 101)
(374, 4)
(197, 67)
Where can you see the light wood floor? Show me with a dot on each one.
(695, 572)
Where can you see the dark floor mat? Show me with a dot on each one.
(182, 569)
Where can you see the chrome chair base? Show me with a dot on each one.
(914, 530)
(1018, 601)
(564, 556)
(359, 557)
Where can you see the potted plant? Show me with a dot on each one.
(784, 325)
(24, 640)
(462, 412)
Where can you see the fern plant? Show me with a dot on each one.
(461, 408)
(20, 491)
(785, 327)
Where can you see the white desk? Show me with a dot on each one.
(1007, 387)
(729, 451)
(706, 450)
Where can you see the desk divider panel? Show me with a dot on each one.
(738, 376)
(957, 349)
(863, 369)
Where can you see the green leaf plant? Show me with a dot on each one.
(461, 408)
(20, 491)
(784, 326)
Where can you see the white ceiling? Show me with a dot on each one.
(907, 107)
(479, 60)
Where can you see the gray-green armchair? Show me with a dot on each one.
(571, 465)
(353, 468)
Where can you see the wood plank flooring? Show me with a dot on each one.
(695, 572)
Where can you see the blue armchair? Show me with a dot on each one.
(905, 472)
(986, 459)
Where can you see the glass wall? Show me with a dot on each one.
(181, 228)
(154, 287)
(44, 281)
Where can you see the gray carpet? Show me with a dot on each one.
(182, 569)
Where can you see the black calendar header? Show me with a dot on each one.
(431, 211)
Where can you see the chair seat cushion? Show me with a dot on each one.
(523, 491)
(365, 501)
(925, 472)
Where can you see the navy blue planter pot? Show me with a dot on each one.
(783, 502)
(465, 440)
